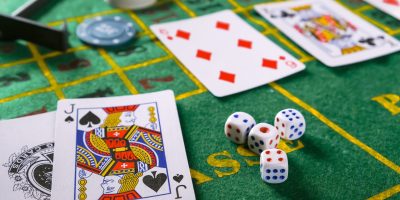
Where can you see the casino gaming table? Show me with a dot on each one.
(351, 149)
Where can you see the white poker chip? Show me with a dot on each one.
(131, 4)
(106, 31)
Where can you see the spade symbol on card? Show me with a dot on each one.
(155, 182)
(89, 119)
(178, 178)
(284, 14)
(69, 119)
(371, 41)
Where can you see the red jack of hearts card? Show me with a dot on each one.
(225, 53)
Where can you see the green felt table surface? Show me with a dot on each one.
(351, 149)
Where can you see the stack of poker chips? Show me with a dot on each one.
(263, 139)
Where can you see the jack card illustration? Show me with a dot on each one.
(121, 148)
(26, 159)
(329, 31)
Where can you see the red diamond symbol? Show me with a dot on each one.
(245, 43)
(269, 63)
(203, 54)
(222, 25)
(392, 2)
(183, 34)
(225, 76)
(282, 57)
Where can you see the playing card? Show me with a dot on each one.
(128, 147)
(225, 53)
(391, 7)
(328, 31)
(26, 159)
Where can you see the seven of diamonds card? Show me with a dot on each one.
(26, 159)
(392, 7)
(328, 31)
(120, 148)
(225, 53)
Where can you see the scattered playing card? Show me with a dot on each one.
(391, 7)
(328, 31)
(127, 147)
(225, 53)
(26, 158)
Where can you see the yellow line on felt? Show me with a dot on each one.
(335, 127)
(306, 59)
(267, 27)
(289, 45)
(185, 8)
(183, 68)
(190, 75)
(158, 43)
(394, 32)
(190, 93)
(119, 71)
(76, 18)
(387, 193)
(18, 62)
(363, 8)
(70, 50)
(25, 94)
(45, 70)
(249, 17)
(140, 23)
(147, 63)
(87, 78)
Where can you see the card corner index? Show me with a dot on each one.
(130, 127)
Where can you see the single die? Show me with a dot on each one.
(238, 126)
(290, 124)
(263, 136)
(274, 166)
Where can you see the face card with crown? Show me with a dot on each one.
(225, 53)
(328, 31)
(120, 148)
(391, 7)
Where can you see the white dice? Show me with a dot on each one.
(263, 136)
(274, 166)
(290, 124)
(238, 126)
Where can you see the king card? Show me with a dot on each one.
(26, 159)
(328, 31)
(123, 148)
(391, 7)
(225, 53)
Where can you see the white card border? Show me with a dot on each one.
(315, 50)
(172, 135)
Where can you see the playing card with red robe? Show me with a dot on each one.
(225, 53)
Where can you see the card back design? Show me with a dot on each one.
(26, 161)
(31, 169)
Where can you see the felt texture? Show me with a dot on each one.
(322, 164)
